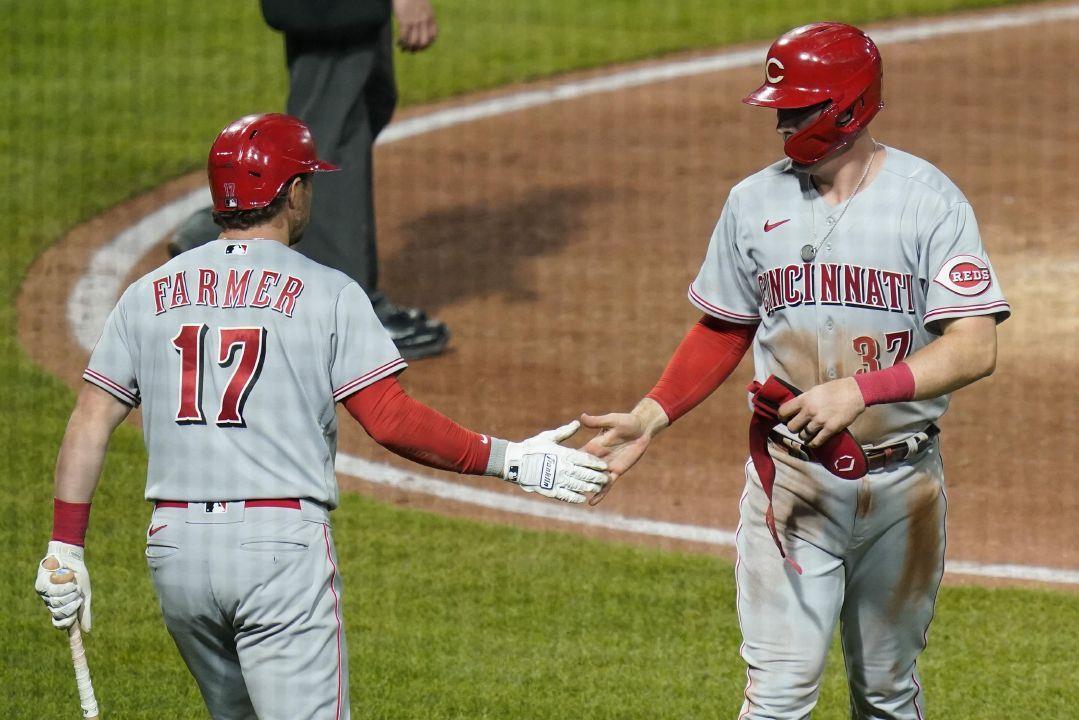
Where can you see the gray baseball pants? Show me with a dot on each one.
(872, 552)
(252, 598)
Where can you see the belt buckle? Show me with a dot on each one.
(794, 448)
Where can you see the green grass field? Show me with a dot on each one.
(446, 618)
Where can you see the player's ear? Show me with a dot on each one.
(298, 187)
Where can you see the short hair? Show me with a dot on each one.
(246, 219)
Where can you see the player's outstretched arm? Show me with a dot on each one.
(412, 430)
(965, 352)
(540, 464)
(705, 358)
(623, 438)
(78, 469)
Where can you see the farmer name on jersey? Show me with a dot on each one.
(236, 289)
(839, 284)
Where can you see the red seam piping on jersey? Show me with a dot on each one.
(913, 676)
(372, 373)
(109, 382)
(102, 380)
(337, 616)
(707, 306)
(968, 308)
(925, 632)
(738, 594)
(383, 368)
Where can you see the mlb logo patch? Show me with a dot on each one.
(215, 508)
(240, 249)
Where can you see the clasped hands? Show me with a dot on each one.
(815, 416)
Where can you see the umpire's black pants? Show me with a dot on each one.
(346, 94)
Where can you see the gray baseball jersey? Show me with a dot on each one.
(237, 352)
(906, 255)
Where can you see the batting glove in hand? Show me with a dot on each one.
(67, 601)
(540, 464)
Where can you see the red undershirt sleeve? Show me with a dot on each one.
(412, 430)
(704, 359)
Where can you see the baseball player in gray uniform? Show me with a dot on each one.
(856, 272)
(238, 353)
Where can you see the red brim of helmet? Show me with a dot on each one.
(323, 166)
(783, 98)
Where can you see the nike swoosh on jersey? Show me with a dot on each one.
(154, 530)
(770, 226)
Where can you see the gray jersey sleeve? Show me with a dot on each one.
(723, 287)
(361, 350)
(955, 271)
(112, 365)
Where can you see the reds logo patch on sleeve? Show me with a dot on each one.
(967, 275)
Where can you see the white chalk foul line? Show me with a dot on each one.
(382, 474)
(409, 481)
(97, 290)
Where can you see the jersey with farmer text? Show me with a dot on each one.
(237, 352)
(906, 255)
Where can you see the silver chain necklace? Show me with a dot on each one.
(809, 251)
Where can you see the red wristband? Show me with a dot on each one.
(895, 384)
(69, 521)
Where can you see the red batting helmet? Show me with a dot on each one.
(253, 158)
(823, 62)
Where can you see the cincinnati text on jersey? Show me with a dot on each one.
(235, 290)
(839, 284)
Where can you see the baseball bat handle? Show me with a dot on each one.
(82, 674)
(78, 653)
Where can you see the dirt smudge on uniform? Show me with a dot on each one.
(925, 539)
(865, 498)
(796, 499)
(796, 360)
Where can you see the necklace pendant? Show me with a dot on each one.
(808, 253)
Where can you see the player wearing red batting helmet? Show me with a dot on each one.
(255, 156)
(260, 165)
(238, 352)
(830, 67)
(855, 271)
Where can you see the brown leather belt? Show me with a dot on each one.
(879, 457)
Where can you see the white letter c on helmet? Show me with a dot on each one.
(768, 70)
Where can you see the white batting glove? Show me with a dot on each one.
(67, 601)
(539, 464)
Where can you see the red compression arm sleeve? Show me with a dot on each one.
(705, 358)
(415, 431)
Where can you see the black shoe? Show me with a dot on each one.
(198, 229)
(415, 335)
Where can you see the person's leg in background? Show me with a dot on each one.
(346, 95)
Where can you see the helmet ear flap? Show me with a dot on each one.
(847, 115)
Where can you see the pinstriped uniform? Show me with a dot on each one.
(238, 352)
(906, 254)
